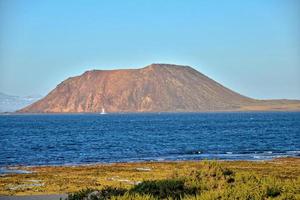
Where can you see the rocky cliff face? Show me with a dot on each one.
(155, 88)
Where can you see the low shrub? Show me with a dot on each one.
(80, 194)
(210, 182)
(162, 189)
(94, 194)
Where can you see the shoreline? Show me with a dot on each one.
(195, 155)
(138, 113)
(65, 179)
(17, 167)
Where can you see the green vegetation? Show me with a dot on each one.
(213, 181)
(162, 189)
(278, 178)
(106, 193)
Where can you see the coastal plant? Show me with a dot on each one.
(212, 181)
(162, 189)
(210, 177)
(80, 194)
(130, 196)
(94, 194)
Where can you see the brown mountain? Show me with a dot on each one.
(155, 88)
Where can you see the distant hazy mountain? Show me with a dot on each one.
(155, 88)
(10, 103)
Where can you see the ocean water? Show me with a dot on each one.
(93, 138)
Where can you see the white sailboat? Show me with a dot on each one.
(103, 112)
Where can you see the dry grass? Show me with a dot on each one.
(66, 179)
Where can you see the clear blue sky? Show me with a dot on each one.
(252, 47)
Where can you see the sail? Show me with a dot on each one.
(103, 111)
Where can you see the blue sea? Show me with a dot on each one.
(71, 139)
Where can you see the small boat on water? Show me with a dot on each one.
(103, 112)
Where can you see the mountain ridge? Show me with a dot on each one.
(12, 103)
(154, 88)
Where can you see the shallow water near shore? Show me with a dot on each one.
(69, 139)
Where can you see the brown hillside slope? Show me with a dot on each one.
(155, 88)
